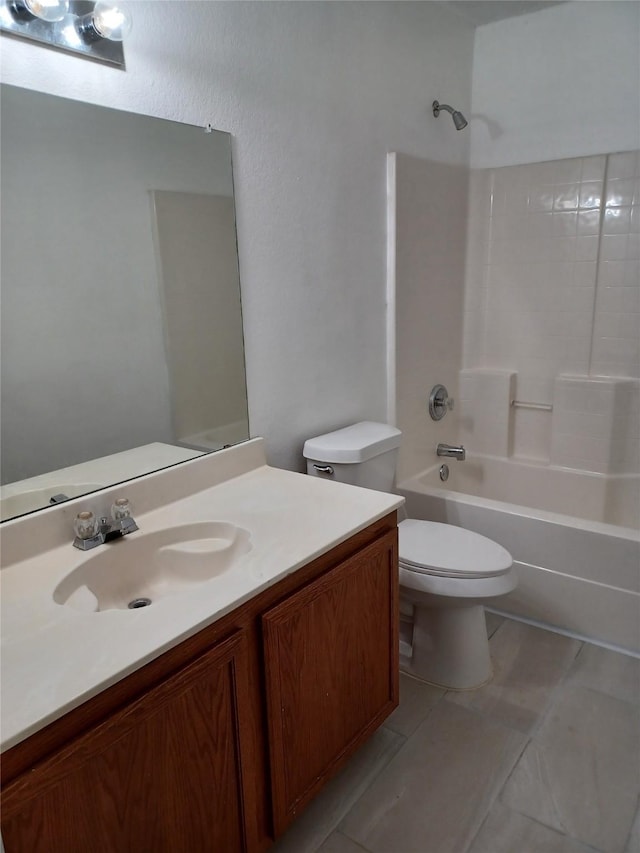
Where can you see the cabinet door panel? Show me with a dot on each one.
(331, 654)
(161, 775)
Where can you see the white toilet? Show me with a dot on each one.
(446, 572)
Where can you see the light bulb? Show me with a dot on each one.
(47, 10)
(111, 22)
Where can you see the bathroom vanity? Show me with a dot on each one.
(208, 720)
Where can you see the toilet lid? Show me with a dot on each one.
(449, 551)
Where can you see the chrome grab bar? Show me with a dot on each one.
(522, 404)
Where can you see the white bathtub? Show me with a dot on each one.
(577, 572)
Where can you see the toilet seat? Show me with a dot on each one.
(444, 550)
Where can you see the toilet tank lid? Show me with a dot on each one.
(355, 443)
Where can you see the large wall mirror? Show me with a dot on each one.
(122, 346)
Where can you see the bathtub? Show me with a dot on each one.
(578, 572)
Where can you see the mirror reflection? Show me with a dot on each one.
(122, 348)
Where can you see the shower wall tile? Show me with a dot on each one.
(596, 424)
(553, 289)
(593, 168)
(625, 449)
(588, 222)
(583, 413)
(616, 328)
(624, 165)
(531, 434)
(542, 245)
(484, 410)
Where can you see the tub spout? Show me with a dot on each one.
(458, 453)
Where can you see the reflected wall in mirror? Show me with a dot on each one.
(122, 346)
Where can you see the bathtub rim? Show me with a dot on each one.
(416, 483)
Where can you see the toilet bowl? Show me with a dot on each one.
(446, 573)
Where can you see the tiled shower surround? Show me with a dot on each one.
(552, 312)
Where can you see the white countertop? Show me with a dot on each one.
(54, 658)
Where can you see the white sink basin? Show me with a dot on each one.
(141, 568)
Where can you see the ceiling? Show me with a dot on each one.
(481, 12)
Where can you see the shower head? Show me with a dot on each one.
(458, 119)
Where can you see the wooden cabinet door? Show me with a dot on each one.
(331, 659)
(161, 775)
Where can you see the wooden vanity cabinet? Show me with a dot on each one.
(331, 651)
(163, 774)
(216, 745)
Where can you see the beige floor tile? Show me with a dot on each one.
(339, 843)
(416, 701)
(322, 816)
(528, 665)
(581, 772)
(505, 831)
(609, 672)
(435, 793)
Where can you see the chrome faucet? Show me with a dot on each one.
(458, 453)
(91, 532)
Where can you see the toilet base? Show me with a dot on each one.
(450, 647)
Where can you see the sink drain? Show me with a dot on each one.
(139, 602)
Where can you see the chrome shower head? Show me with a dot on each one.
(458, 119)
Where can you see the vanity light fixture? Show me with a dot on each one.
(89, 29)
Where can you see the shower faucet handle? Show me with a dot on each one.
(439, 402)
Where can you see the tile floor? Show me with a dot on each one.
(544, 759)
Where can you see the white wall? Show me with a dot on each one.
(558, 83)
(315, 95)
(431, 212)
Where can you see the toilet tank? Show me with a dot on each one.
(363, 454)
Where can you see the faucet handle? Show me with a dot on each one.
(121, 508)
(439, 402)
(123, 521)
(85, 525)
